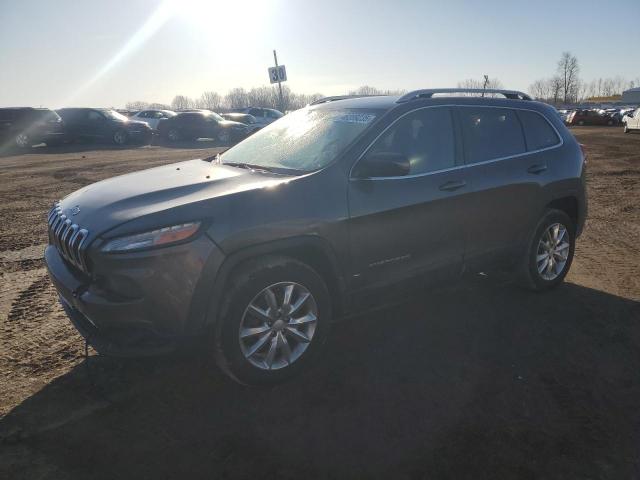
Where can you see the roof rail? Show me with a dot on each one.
(339, 97)
(428, 93)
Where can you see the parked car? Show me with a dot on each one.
(631, 121)
(103, 124)
(263, 116)
(316, 216)
(152, 117)
(249, 120)
(24, 127)
(589, 117)
(201, 124)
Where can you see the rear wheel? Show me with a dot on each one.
(626, 129)
(549, 252)
(22, 140)
(581, 122)
(275, 321)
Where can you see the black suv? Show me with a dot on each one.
(103, 125)
(258, 249)
(201, 124)
(25, 127)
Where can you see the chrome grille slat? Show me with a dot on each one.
(68, 238)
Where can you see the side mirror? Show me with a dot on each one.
(383, 164)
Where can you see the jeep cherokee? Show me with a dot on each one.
(256, 250)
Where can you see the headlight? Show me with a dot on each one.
(155, 238)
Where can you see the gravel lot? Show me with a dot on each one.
(481, 380)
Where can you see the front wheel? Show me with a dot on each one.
(549, 253)
(275, 321)
(120, 137)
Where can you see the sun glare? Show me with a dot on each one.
(222, 18)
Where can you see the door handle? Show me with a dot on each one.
(452, 185)
(537, 169)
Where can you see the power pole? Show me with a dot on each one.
(275, 59)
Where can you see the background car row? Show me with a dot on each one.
(595, 116)
(25, 126)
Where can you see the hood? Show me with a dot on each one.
(232, 124)
(101, 206)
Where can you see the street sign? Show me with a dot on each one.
(278, 74)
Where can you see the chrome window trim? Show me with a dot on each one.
(465, 165)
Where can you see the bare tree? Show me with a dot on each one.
(236, 98)
(137, 105)
(472, 83)
(540, 89)
(180, 102)
(568, 71)
(556, 84)
(210, 100)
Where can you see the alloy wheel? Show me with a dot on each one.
(120, 137)
(22, 140)
(553, 252)
(173, 135)
(278, 325)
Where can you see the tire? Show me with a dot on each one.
(22, 140)
(610, 123)
(530, 276)
(120, 137)
(581, 122)
(626, 129)
(248, 286)
(173, 135)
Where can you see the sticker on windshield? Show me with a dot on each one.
(356, 118)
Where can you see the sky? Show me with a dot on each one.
(58, 53)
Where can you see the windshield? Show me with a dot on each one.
(305, 140)
(114, 115)
(215, 115)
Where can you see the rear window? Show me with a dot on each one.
(538, 132)
(491, 133)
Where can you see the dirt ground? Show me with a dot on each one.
(480, 380)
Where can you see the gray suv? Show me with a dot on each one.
(255, 251)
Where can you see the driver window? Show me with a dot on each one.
(94, 116)
(424, 137)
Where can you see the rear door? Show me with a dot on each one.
(507, 172)
(407, 225)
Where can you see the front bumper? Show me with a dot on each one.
(135, 304)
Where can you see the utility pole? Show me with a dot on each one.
(275, 59)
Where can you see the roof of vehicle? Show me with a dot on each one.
(437, 96)
(37, 109)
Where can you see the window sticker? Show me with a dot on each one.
(362, 118)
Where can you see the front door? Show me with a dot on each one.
(409, 224)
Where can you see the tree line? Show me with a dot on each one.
(566, 86)
(237, 98)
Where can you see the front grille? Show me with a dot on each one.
(68, 238)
